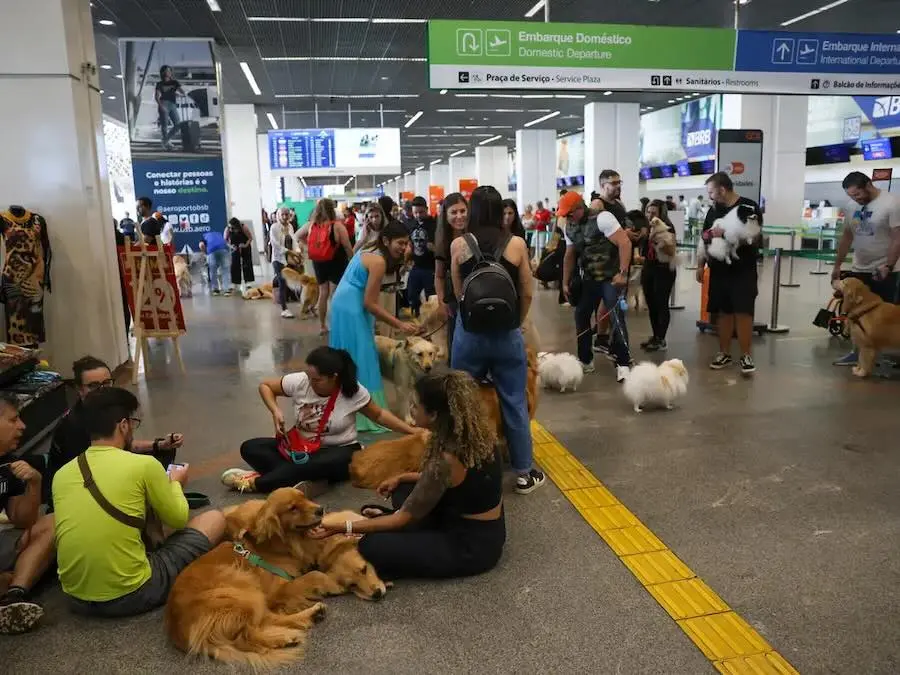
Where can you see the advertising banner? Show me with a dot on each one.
(172, 105)
(682, 133)
(530, 55)
(740, 156)
(467, 187)
(435, 197)
(162, 299)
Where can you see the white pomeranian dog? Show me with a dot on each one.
(656, 385)
(740, 226)
(560, 371)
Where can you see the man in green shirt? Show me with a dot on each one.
(103, 564)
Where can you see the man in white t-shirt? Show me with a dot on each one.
(873, 230)
(598, 251)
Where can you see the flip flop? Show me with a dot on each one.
(381, 509)
(196, 500)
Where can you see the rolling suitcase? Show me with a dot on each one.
(190, 136)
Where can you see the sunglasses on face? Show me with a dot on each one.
(94, 386)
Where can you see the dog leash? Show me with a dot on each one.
(257, 561)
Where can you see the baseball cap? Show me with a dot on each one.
(568, 203)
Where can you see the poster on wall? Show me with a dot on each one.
(435, 197)
(683, 132)
(173, 111)
(740, 156)
(570, 156)
(467, 187)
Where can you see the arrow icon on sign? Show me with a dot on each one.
(783, 50)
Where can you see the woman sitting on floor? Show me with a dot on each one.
(448, 520)
(326, 396)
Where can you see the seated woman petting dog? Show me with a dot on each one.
(449, 518)
(356, 305)
(317, 451)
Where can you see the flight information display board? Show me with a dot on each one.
(302, 149)
(333, 152)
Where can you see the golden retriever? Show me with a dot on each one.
(403, 362)
(261, 292)
(306, 287)
(384, 459)
(183, 275)
(224, 607)
(874, 323)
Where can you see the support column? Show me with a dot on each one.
(492, 167)
(612, 133)
(783, 122)
(293, 189)
(270, 193)
(421, 183)
(242, 177)
(56, 166)
(440, 175)
(461, 168)
(409, 183)
(535, 166)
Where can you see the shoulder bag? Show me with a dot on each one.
(295, 447)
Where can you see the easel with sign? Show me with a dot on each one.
(153, 297)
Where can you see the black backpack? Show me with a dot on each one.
(490, 298)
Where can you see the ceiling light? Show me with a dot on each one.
(323, 96)
(437, 161)
(444, 91)
(490, 140)
(412, 120)
(450, 110)
(458, 153)
(106, 67)
(335, 19)
(303, 181)
(385, 77)
(106, 22)
(569, 96)
(542, 119)
(508, 110)
(397, 177)
(250, 79)
(420, 168)
(213, 6)
(470, 95)
(411, 59)
(339, 19)
(111, 98)
(350, 180)
(607, 93)
(823, 8)
(390, 20)
(119, 76)
(407, 173)
(272, 120)
(534, 10)
(537, 95)
(101, 91)
(671, 100)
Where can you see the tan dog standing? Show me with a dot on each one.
(874, 323)
(403, 362)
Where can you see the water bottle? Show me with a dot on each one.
(623, 304)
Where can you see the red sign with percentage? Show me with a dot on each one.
(161, 308)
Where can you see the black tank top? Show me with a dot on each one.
(480, 491)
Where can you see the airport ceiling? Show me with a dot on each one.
(367, 68)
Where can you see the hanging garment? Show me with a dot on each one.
(26, 274)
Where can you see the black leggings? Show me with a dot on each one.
(434, 548)
(329, 463)
(657, 282)
(241, 262)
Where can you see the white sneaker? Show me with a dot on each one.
(238, 479)
(287, 314)
(622, 373)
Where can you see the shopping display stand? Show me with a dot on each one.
(150, 276)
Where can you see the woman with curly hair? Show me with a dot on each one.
(447, 519)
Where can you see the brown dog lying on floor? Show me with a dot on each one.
(384, 459)
(252, 600)
(874, 323)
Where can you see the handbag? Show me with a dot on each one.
(295, 447)
(827, 314)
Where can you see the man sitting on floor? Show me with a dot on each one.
(71, 438)
(103, 564)
(26, 546)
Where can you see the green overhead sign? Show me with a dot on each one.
(528, 43)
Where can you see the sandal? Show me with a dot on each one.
(196, 500)
(378, 509)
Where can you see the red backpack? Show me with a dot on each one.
(321, 242)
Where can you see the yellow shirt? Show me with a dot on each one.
(100, 558)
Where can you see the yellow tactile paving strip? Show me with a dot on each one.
(730, 643)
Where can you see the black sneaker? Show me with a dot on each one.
(18, 614)
(648, 345)
(529, 482)
(722, 360)
(747, 365)
(601, 344)
(661, 345)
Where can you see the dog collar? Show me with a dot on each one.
(257, 561)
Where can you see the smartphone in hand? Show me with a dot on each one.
(173, 466)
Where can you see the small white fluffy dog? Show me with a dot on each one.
(663, 242)
(740, 226)
(560, 371)
(657, 385)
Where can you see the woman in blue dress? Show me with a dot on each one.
(355, 307)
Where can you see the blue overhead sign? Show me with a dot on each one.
(302, 149)
(782, 52)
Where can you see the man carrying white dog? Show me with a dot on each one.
(732, 287)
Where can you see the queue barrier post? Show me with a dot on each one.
(773, 326)
(673, 298)
(790, 282)
(692, 262)
(819, 271)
